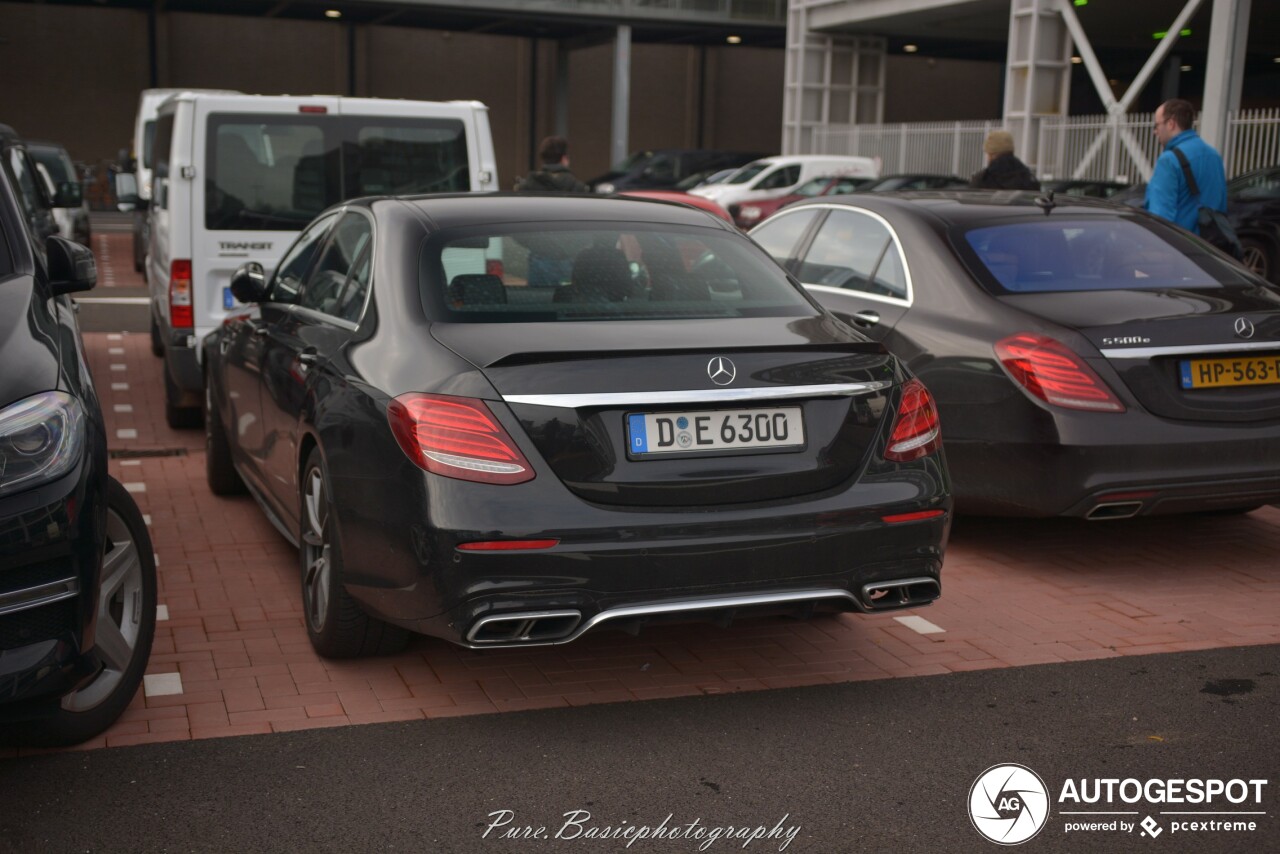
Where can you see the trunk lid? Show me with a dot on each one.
(1164, 344)
(810, 388)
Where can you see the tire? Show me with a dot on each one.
(336, 625)
(157, 345)
(126, 624)
(176, 416)
(1258, 258)
(219, 470)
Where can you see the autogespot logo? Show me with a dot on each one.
(1008, 804)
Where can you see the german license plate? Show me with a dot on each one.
(651, 433)
(1234, 371)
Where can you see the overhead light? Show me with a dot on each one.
(1114, 82)
(910, 48)
(1277, 59)
(332, 13)
(734, 39)
(1075, 60)
(1184, 67)
(1081, 2)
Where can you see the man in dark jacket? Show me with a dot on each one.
(1004, 171)
(554, 176)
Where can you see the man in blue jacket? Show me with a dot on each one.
(1167, 193)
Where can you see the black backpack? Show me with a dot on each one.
(1214, 225)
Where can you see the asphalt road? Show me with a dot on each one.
(867, 766)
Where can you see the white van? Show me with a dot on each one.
(238, 176)
(771, 177)
(141, 158)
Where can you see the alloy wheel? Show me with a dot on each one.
(119, 618)
(1255, 259)
(315, 549)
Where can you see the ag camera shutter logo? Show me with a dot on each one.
(1008, 804)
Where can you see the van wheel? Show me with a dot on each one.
(126, 624)
(219, 471)
(157, 345)
(177, 417)
(336, 625)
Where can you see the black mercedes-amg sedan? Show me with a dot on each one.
(508, 419)
(1087, 360)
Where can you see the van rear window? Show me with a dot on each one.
(275, 173)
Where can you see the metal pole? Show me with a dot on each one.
(621, 93)
(1228, 37)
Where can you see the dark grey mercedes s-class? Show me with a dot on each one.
(507, 420)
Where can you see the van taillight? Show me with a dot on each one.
(1054, 373)
(180, 314)
(916, 432)
(312, 108)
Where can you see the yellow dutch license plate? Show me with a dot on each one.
(1234, 371)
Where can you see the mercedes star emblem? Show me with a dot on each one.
(721, 370)
(1244, 329)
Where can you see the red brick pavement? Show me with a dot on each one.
(114, 251)
(1015, 593)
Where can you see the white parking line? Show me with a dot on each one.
(126, 433)
(160, 684)
(115, 351)
(131, 462)
(118, 367)
(115, 336)
(122, 407)
(134, 486)
(162, 613)
(119, 386)
(920, 624)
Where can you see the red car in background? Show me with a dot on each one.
(684, 199)
(747, 215)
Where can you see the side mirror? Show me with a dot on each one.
(70, 195)
(71, 266)
(126, 186)
(249, 283)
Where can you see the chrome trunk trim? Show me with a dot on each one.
(710, 395)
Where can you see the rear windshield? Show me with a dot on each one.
(602, 272)
(1090, 254)
(275, 173)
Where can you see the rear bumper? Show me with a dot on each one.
(627, 568)
(1146, 467)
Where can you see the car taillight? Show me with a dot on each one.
(916, 432)
(1054, 373)
(494, 267)
(456, 437)
(180, 314)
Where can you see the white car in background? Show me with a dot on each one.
(771, 177)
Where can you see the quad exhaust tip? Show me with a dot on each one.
(900, 593)
(527, 627)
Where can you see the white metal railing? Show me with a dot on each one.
(1096, 148)
(1253, 141)
(936, 147)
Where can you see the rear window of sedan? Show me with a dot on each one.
(1094, 254)
(631, 271)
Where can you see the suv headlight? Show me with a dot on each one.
(41, 438)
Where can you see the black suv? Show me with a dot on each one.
(77, 573)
